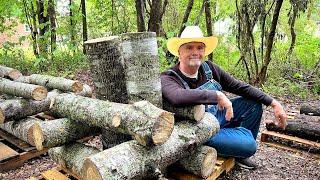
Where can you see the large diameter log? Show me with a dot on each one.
(60, 83)
(28, 91)
(15, 109)
(306, 127)
(186, 113)
(60, 131)
(200, 163)
(313, 110)
(72, 156)
(9, 72)
(130, 160)
(148, 125)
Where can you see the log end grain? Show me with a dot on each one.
(37, 136)
(2, 116)
(14, 74)
(39, 93)
(116, 120)
(163, 128)
(77, 87)
(209, 162)
(91, 171)
(199, 111)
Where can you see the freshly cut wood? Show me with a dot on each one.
(130, 160)
(306, 127)
(86, 91)
(22, 129)
(28, 91)
(9, 72)
(152, 127)
(184, 113)
(201, 163)
(60, 83)
(72, 156)
(308, 109)
(15, 109)
(60, 131)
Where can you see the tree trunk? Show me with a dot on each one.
(201, 163)
(306, 127)
(186, 16)
(140, 15)
(209, 23)
(8, 72)
(43, 28)
(52, 17)
(57, 132)
(313, 110)
(147, 123)
(72, 25)
(130, 160)
(28, 91)
(72, 156)
(155, 20)
(15, 109)
(60, 83)
(84, 23)
(186, 113)
(197, 21)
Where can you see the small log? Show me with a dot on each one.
(86, 91)
(306, 127)
(15, 109)
(9, 72)
(186, 113)
(60, 83)
(130, 160)
(72, 156)
(28, 91)
(60, 131)
(313, 110)
(201, 163)
(153, 127)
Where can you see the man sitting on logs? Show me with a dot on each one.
(195, 81)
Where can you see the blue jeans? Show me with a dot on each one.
(237, 138)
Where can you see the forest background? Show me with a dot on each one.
(272, 44)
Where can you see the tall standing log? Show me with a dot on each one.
(186, 113)
(9, 72)
(310, 110)
(72, 156)
(15, 109)
(28, 91)
(130, 160)
(60, 131)
(125, 118)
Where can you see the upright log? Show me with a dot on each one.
(15, 109)
(28, 91)
(313, 110)
(125, 118)
(72, 156)
(186, 113)
(9, 72)
(130, 160)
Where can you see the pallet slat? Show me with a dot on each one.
(16, 141)
(53, 174)
(7, 152)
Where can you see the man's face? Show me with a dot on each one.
(191, 54)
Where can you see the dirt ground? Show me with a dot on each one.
(272, 163)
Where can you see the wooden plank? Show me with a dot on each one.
(53, 174)
(16, 141)
(6, 152)
(287, 148)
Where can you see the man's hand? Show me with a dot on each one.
(279, 113)
(224, 102)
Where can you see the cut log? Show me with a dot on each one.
(201, 163)
(72, 156)
(15, 109)
(130, 160)
(22, 129)
(111, 138)
(125, 118)
(23, 79)
(60, 131)
(313, 110)
(9, 72)
(60, 83)
(28, 91)
(306, 127)
(86, 91)
(186, 113)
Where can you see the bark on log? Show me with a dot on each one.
(306, 127)
(310, 110)
(15, 109)
(130, 160)
(23, 79)
(52, 82)
(148, 125)
(9, 72)
(86, 91)
(111, 138)
(201, 163)
(72, 156)
(60, 131)
(28, 91)
(186, 113)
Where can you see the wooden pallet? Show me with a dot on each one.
(223, 165)
(57, 173)
(14, 152)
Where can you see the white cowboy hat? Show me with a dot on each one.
(192, 34)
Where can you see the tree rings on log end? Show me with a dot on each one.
(14, 74)
(39, 93)
(2, 116)
(77, 87)
(116, 120)
(199, 111)
(208, 163)
(163, 128)
(37, 136)
(91, 171)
